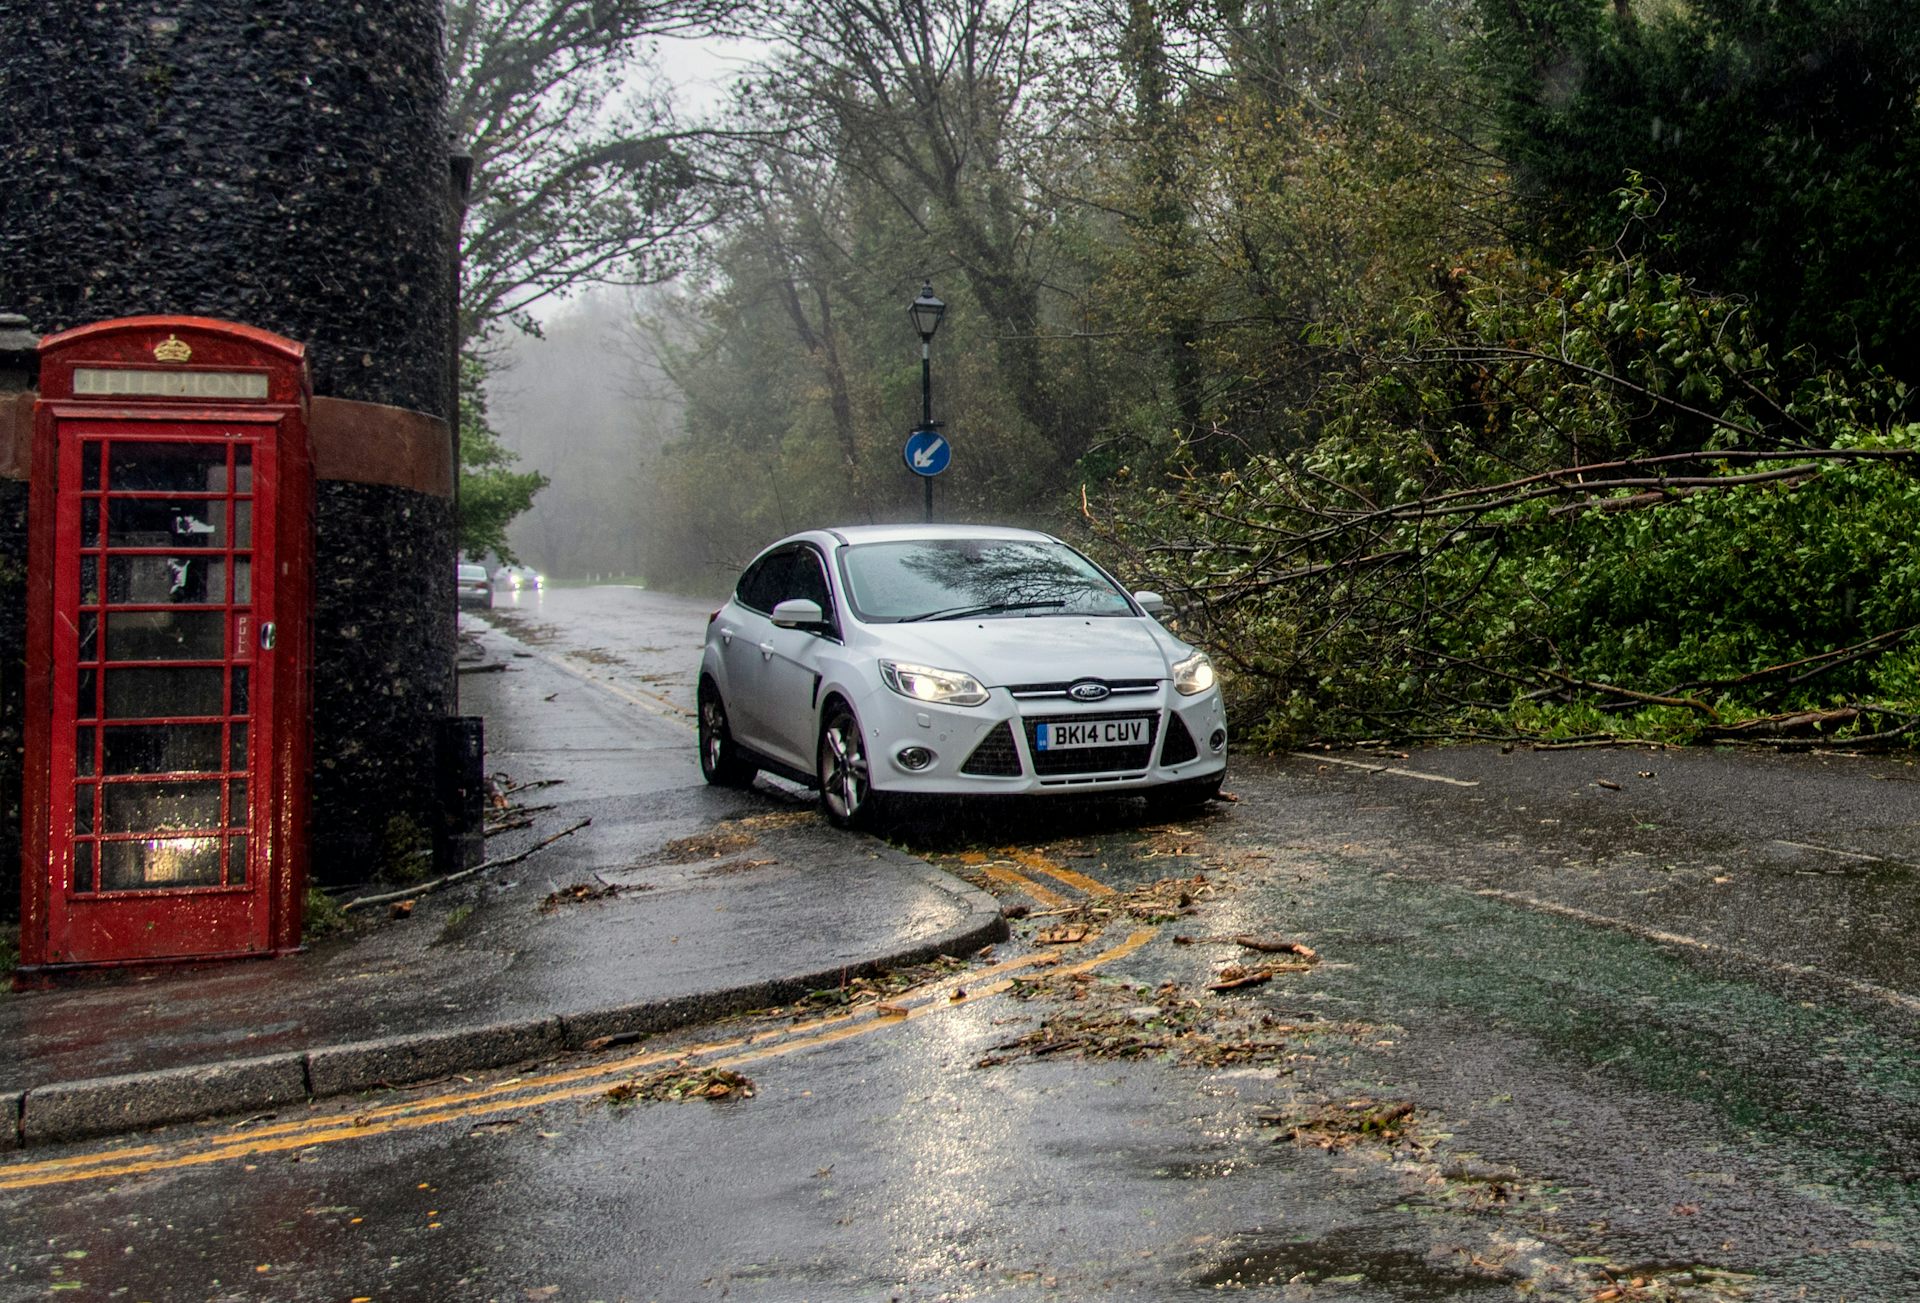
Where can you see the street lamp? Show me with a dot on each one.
(926, 312)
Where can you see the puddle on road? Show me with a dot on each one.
(1348, 1264)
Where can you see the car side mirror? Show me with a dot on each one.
(799, 613)
(1150, 602)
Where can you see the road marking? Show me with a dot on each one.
(1037, 861)
(1832, 850)
(1885, 994)
(651, 702)
(1002, 872)
(1387, 769)
(520, 1094)
(648, 701)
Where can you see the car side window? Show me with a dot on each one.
(807, 580)
(764, 583)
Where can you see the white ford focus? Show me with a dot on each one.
(952, 660)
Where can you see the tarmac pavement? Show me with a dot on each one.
(670, 903)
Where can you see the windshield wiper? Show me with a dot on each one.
(991, 608)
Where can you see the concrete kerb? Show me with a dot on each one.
(396, 1060)
(74, 1110)
(98, 1106)
(579, 1030)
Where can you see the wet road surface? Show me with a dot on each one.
(1577, 1025)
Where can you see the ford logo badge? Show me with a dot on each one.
(1089, 691)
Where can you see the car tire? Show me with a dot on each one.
(1183, 798)
(844, 771)
(721, 763)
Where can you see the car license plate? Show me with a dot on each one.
(1083, 736)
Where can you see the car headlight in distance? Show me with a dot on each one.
(922, 683)
(1193, 675)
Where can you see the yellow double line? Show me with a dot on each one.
(1004, 870)
(523, 1093)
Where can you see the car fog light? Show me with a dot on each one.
(914, 758)
(1219, 739)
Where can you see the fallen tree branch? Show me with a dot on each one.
(1673, 490)
(427, 888)
(1812, 743)
(1865, 739)
(1837, 658)
(1779, 726)
(1690, 703)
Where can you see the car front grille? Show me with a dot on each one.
(1180, 746)
(995, 757)
(1118, 687)
(1091, 760)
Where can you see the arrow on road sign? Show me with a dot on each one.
(927, 453)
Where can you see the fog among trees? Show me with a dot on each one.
(1515, 368)
(583, 405)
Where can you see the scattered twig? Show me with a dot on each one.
(510, 788)
(1269, 946)
(428, 888)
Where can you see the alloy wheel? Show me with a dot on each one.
(721, 762)
(845, 783)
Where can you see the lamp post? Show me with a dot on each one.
(926, 312)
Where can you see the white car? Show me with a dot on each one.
(471, 587)
(872, 661)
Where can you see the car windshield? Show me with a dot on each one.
(961, 578)
(473, 572)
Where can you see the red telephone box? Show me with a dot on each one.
(170, 576)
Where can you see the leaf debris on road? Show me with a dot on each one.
(880, 987)
(1337, 1126)
(1103, 1018)
(581, 892)
(678, 1083)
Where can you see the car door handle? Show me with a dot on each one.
(766, 651)
(726, 636)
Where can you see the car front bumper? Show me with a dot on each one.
(997, 748)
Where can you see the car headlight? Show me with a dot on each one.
(1193, 675)
(948, 687)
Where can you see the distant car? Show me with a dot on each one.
(872, 661)
(473, 587)
(517, 577)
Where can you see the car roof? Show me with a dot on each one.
(856, 534)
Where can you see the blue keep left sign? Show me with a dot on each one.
(927, 452)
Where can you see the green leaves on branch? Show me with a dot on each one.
(1595, 504)
(1782, 138)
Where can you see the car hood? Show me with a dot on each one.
(1041, 649)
